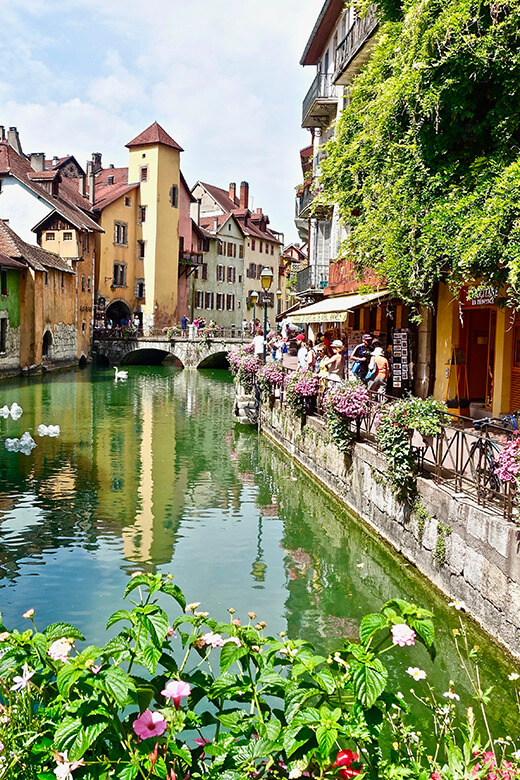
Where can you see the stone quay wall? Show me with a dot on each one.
(470, 553)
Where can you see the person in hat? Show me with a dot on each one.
(378, 372)
(302, 352)
(360, 358)
(336, 363)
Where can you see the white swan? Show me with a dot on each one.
(120, 374)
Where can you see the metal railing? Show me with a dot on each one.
(304, 200)
(314, 277)
(354, 40)
(461, 458)
(322, 88)
(161, 334)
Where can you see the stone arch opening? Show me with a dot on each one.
(119, 313)
(47, 345)
(102, 360)
(82, 361)
(151, 357)
(218, 360)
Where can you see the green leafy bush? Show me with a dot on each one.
(204, 699)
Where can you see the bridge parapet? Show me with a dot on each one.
(191, 353)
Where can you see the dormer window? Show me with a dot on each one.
(67, 235)
(50, 236)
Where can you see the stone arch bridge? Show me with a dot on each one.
(198, 353)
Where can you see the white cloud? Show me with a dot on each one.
(222, 78)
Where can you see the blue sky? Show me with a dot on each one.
(223, 78)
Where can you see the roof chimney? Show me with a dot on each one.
(244, 195)
(13, 139)
(83, 185)
(96, 161)
(215, 224)
(2, 133)
(91, 182)
(233, 192)
(55, 160)
(110, 180)
(111, 165)
(38, 161)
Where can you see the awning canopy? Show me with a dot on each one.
(335, 309)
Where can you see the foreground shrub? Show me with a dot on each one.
(301, 391)
(199, 698)
(244, 366)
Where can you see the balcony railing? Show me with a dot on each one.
(322, 93)
(187, 257)
(353, 42)
(303, 201)
(313, 278)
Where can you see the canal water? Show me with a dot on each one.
(152, 473)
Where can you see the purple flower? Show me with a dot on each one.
(149, 724)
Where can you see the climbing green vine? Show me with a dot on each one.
(425, 162)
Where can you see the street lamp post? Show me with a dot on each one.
(266, 277)
(254, 298)
(279, 296)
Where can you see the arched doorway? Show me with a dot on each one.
(47, 345)
(118, 313)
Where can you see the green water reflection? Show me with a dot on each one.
(153, 473)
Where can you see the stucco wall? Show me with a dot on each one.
(480, 563)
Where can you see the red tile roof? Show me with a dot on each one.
(221, 196)
(34, 256)
(43, 175)
(8, 262)
(69, 203)
(245, 218)
(119, 174)
(108, 193)
(154, 134)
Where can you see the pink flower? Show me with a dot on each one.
(234, 639)
(95, 669)
(214, 640)
(60, 649)
(435, 776)
(176, 690)
(201, 741)
(171, 633)
(149, 724)
(402, 635)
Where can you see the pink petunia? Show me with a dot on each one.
(402, 635)
(149, 724)
(176, 690)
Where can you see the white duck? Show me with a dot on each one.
(120, 374)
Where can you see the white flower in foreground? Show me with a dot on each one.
(516, 755)
(458, 604)
(514, 676)
(416, 673)
(451, 695)
(21, 682)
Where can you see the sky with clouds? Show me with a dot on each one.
(223, 78)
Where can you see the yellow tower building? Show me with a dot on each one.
(154, 162)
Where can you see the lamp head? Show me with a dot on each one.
(254, 296)
(279, 294)
(266, 277)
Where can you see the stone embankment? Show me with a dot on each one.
(468, 552)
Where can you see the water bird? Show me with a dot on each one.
(120, 374)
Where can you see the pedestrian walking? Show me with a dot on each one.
(378, 373)
(336, 363)
(184, 327)
(360, 358)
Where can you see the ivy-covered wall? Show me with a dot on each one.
(11, 302)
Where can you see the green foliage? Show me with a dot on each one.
(426, 154)
(443, 531)
(264, 707)
(422, 516)
(394, 435)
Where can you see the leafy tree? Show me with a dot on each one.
(425, 163)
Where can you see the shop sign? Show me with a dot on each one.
(481, 296)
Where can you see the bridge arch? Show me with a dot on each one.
(149, 356)
(216, 360)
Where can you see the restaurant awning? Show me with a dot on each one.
(335, 309)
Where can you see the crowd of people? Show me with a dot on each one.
(328, 357)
